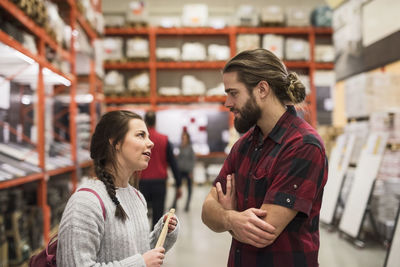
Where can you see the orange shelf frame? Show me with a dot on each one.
(60, 170)
(127, 31)
(191, 65)
(19, 15)
(166, 99)
(325, 65)
(126, 65)
(8, 40)
(86, 26)
(191, 99)
(21, 180)
(43, 40)
(127, 100)
(274, 30)
(86, 164)
(191, 31)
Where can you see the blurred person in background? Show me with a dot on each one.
(186, 160)
(117, 232)
(269, 191)
(153, 182)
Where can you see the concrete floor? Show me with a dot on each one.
(197, 246)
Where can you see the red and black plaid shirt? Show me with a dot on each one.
(287, 168)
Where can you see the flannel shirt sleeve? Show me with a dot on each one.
(298, 178)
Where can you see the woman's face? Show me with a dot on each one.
(135, 151)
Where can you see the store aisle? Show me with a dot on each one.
(198, 246)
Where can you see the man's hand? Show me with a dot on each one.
(228, 200)
(249, 227)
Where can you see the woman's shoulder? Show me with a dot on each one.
(90, 192)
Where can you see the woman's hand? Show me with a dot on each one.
(172, 223)
(154, 257)
(228, 200)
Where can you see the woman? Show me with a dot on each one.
(120, 147)
(186, 160)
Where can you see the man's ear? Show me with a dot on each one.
(263, 89)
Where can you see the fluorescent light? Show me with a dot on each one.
(57, 78)
(26, 99)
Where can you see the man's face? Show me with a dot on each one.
(240, 103)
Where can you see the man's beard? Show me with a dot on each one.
(249, 115)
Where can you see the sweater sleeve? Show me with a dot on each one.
(80, 234)
(171, 237)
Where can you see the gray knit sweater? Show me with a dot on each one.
(85, 239)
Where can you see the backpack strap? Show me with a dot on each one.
(97, 195)
(52, 244)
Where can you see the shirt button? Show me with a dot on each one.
(288, 200)
(295, 186)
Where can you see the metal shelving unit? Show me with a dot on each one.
(43, 41)
(152, 65)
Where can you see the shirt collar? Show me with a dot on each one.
(280, 127)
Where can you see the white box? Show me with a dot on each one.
(218, 52)
(297, 49)
(168, 53)
(247, 42)
(272, 15)
(195, 15)
(273, 43)
(112, 48)
(137, 12)
(324, 53)
(247, 15)
(194, 52)
(298, 17)
(137, 48)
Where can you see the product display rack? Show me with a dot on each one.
(43, 41)
(152, 65)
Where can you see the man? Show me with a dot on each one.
(269, 191)
(153, 182)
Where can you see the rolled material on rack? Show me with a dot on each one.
(164, 231)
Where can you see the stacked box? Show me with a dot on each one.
(247, 16)
(113, 49)
(218, 52)
(114, 83)
(297, 49)
(194, 52)
(247, 42)
(274, 43)
(298, 17)
(192, 86)
(137, 14)
(168, 53)
(139, 85)
(195, 15)
(272, 16)
(114, 21)
(137, 48)
(324, 53)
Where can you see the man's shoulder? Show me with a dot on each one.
(155, 133)
(303, 133)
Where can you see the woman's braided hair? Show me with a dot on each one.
(260, 64)
(110, 131)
